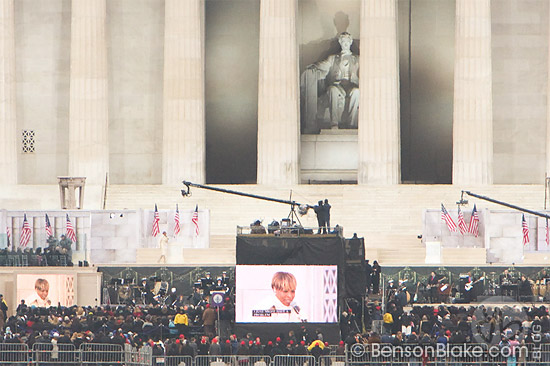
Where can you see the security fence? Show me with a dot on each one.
(477, 354)
(54, 354)
(49, 354)
(14, 354)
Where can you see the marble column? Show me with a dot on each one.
(473, 114)
(8, 121)
(278, 95)
(88, 110)
(183, 150)
(378, 130)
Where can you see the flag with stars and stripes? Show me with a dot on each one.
(156, 219)
(195, 220)
(25, 233)
(461, 223)
(448, 219)
(49, 230)
(525, 229)
(177, 227)
(70, 230)
(474, 223)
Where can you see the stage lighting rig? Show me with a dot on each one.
(462, 201)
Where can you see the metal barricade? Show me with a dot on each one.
(59, 354)
(236, 360)
(14, 354)
(281, 360)
(102, 354)
(255, 360)
(174, 361)
(215, 361)
(332, 361)
(138, 357)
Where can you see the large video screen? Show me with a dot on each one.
(45, 290)
(286, 294)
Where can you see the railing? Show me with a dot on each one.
(14, 354)
(48, 354)
(93, 354)
(358, 355)
(288, 230)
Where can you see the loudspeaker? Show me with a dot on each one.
(458, 300)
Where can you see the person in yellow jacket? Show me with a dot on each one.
(316, 348)
(316, 342)
(181, 321)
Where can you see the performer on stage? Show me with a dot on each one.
(470, 293)
(544, 276)
(433, 285)
(506, 280)
(525, 291)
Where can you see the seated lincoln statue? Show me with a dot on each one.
(330, 90)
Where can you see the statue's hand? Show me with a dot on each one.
(311, 67)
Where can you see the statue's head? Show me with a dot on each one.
(345, 39)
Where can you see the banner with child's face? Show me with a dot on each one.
(45, 290)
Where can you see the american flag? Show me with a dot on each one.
(49, 231)
(156, 219)
(25, 233)
(195, 220)
(474, 223)
(177, 222)
(525, 229)
(461, 222)
(70, 230)
(448, 219)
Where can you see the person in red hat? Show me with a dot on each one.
(268, 349)
(226, 347)
(243, 349)
(208, 320)
(301, 349)
(215, 348)
(341, 350)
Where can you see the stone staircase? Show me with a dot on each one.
(388, 217)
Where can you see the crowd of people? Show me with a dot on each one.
(56, 253)
(168, 330)
(191, 328)
(450, 324)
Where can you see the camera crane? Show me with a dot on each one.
(302, 208)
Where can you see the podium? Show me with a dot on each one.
(67, 192)
(433, 252)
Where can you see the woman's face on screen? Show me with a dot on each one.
(43, 292)
(285, 296)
